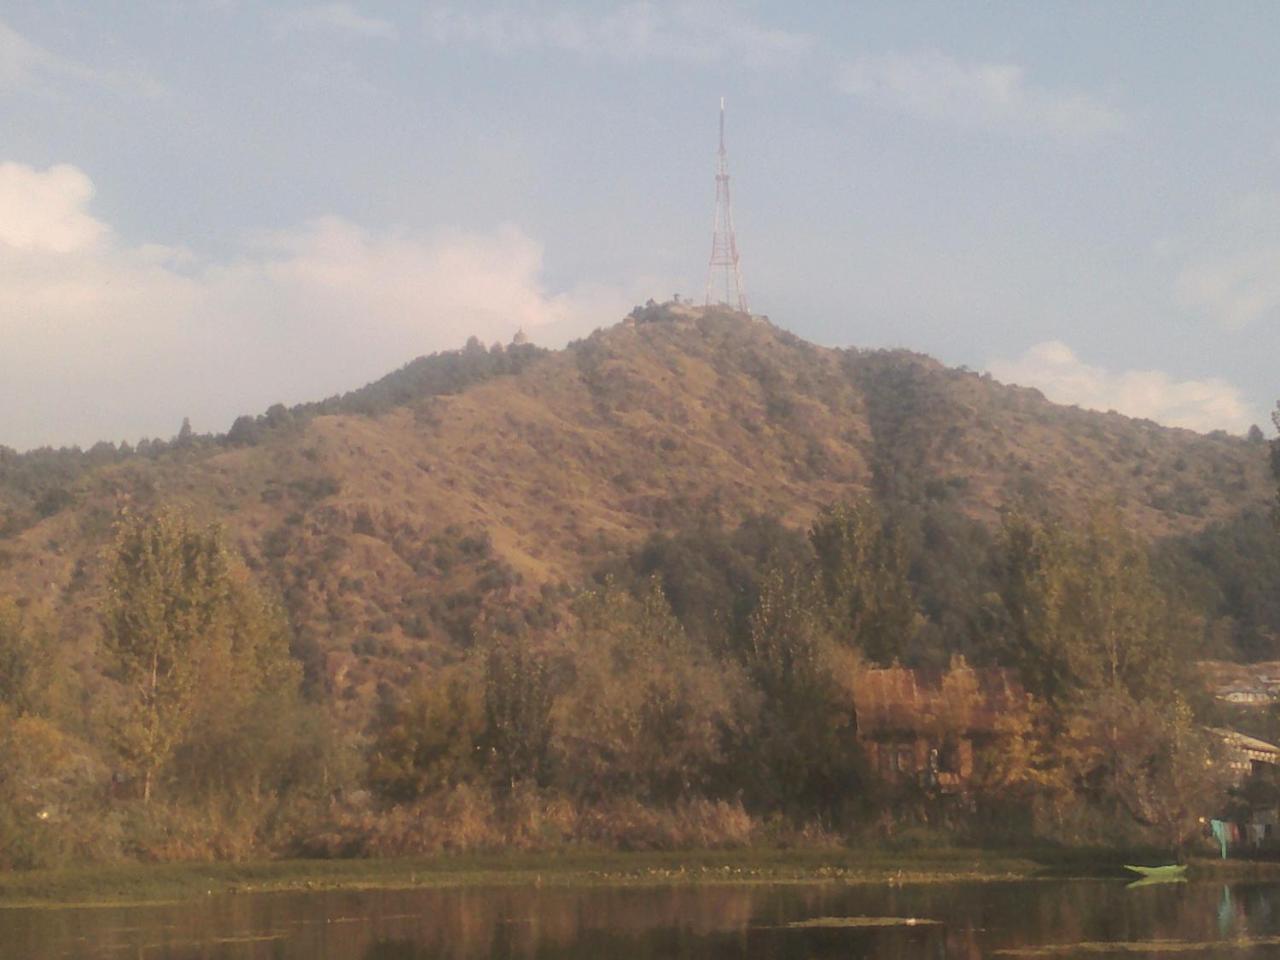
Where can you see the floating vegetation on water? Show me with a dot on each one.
(823, 922)
(1139, 946)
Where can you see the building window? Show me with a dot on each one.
(906, 759)
(949, 757)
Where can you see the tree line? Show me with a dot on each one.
(702, 691)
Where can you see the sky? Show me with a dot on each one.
(211, 206)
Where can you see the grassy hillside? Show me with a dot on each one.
(483, 486)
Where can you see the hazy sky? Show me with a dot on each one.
(208, 207)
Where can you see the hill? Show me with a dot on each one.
(483, 486)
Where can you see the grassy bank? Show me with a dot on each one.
(154, 883)
(150, 883)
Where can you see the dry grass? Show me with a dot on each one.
(467, 820)
(357, 520)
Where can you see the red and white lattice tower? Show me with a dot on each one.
(724, 275)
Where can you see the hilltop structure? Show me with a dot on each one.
(724, 273)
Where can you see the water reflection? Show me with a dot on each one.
(715, 922)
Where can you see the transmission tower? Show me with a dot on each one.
(724, 276)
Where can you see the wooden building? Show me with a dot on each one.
(925, 728)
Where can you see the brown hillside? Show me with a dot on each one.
(391, 537)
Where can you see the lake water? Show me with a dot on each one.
(1078, 918)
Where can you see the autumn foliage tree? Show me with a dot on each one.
(517, 698)
(47, 775)
(187, 636)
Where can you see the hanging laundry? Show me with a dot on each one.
(1220, 834)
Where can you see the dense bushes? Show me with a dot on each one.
(728, 718)
(644, 712)
(749, 698)
(195, 742)
(470, 818)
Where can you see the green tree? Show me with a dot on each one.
(803, 752)
(248, 723)
(166, 595)
(24, 658)
(189, 638)
(864, 580)
(709, 575)
(517, 710)
(48, 778)
(49, 784)
(432, 738)
(1084, 612)
(646, 708)
(1147, 759)
(1098, 641)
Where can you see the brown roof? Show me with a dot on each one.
(1253, 747)
(964, 698)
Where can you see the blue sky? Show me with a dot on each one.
(208, 207)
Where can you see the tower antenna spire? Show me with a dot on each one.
(724, 275)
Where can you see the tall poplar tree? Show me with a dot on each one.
(167, 592)
(863, 576)
(186, 636)
(805, 752)
(1106, 649)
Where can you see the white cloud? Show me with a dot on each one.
(990, 96)
(340, 18)
(46, 210)
(1234, 290)
(1053, 368)
(690, 32)
(103, 340)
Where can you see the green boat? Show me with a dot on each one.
(1171, 871)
